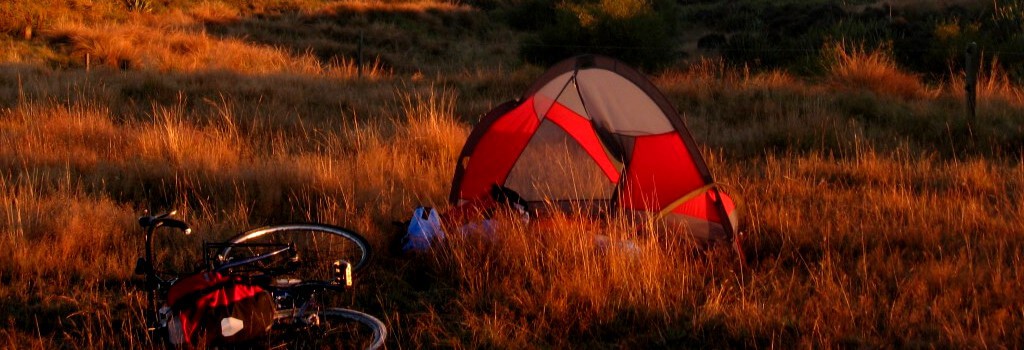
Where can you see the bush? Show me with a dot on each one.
(138, 5)
(925, 39)
(639, 32)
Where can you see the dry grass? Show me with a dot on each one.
(555, 283)
(72, 202)
(844, 253)
(854, 67)
(872, 221)
(993, 85)
(143, 47)
(418, 6)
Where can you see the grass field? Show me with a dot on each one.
(876, 213)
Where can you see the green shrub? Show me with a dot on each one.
(925, 39)
(640, 32)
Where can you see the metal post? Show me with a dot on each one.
(971, 80)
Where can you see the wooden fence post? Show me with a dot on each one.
(971, 80)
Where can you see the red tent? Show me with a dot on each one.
(594, 134)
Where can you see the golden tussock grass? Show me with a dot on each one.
(993, 84)
(140, 46)
(61, 211)
(214, 12)
(871, 221)
(850, 247)
(854, 67)
(525, 284)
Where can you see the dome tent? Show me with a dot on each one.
(592, 133)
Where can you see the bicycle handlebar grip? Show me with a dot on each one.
(178, 224)
(157, 221)
(151, 220)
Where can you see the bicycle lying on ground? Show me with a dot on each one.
(271, 287)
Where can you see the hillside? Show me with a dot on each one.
(877, 213)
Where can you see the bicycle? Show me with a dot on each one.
(303, 267)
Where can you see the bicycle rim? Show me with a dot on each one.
(317, 246)
(339, 328)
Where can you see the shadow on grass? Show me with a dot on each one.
(409, 38)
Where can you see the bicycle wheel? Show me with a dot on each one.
(339, 328)
(317, 248)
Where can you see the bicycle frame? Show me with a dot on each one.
(218, 263)
(144, 266)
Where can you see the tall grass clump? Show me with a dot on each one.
(408, 155)
(994, 83)
(138, 5)
(568, 281)
(851, 66)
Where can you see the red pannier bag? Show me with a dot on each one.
(209, 307)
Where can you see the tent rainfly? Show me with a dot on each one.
(594, 134)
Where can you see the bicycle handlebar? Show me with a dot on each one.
(152, 222)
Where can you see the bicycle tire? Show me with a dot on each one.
(317, 245)
(340, 328)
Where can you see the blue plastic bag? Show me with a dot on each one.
(424, 228)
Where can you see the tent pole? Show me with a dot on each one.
(735, 238)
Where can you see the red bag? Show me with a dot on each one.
(218, 309)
